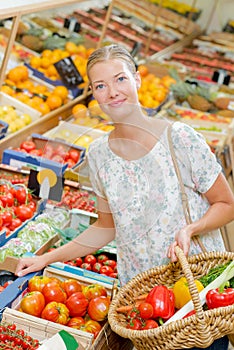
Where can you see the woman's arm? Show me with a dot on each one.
(95, 237)
(220, 212)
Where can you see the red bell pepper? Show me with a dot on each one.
(219, 297)
(163, 301)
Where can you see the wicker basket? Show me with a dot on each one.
(199, 330)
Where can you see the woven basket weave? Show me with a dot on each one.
(199, 330)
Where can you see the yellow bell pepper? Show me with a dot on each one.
(182, 293)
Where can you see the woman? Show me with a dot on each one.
(132, 173)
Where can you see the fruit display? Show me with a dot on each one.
(102, 263)
(77, 199)
(16, 120)
(205, 55)
(205, 98)
(57, 151)
(16, 206)
(67, 301)
(180, 7)
(34, 233)
(19, 52)
(13, 337)
(34, 93)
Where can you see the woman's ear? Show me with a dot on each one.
(138, 80)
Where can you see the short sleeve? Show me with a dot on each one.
(93, 170)
(195, 154)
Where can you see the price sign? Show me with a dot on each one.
(68, 72)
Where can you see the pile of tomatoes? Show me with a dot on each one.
(17, 339)
(16, 206)
(100, 263)
(55, 152)
(73, 198)
(68, 302)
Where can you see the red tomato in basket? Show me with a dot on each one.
(74, 155)
(94, 290)
(76, 322)
(28, 145)
(92, 326)
(38, 283)
(149, 324)
(56, 312)
(23, 212)
(106, 270)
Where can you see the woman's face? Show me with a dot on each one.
(114, 87)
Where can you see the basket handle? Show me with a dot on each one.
(191, 284)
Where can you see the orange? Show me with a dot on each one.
(54, 101)
(94, 108)
(18, 74)
(45, 62)
(7, 90)
(46, 53)
(22, 97)
(80, 111)
(89, 51)
(43, 108)
(71, 47)
(61, 91)
(35, 62)
(143, 70)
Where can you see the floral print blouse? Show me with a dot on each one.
(145, 200)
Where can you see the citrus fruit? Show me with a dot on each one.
(80, 111)
(54, 101)
(61, 91)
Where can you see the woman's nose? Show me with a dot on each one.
(113, 91)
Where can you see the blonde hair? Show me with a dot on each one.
(110, 52)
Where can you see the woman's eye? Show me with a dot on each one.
(122, 78)
(99, 86)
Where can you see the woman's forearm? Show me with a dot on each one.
(218, 215)
(87, 242)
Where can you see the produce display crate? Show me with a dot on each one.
(22, 160)
(20, 107)
(43, 329)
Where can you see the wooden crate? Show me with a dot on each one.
(43, 329)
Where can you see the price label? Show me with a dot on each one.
(68, 72)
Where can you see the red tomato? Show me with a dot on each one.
(23, 212)
(146, 310)
(21, 195)
(71, 263)
(61, 151)
(55, 312)
(28, 145)
(7, 199)
(4, 188)
(74, 155)
(32, 205)
(90, 259)
(113, 275)
(149, 324)
(111, 263)
(36, 152)
(135, 324)
(57, 158)
(101, 258)
(52, 291)
(71, 286)
(86, 266)
(37, 283)
(47, 151)
(70, 163)
(6, 217)
(33, 303)
(78, 261)
(16, 222)
(106, 270)
(77, 304)
(76, 322)
(97, 267)
(94, 290)
(98, 308)
(92, 326)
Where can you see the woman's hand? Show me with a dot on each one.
(182, 239)
(28, 265)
